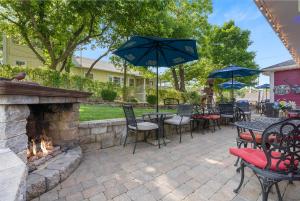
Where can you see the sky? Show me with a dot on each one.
(265, 43)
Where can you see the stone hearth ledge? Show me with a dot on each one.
(55, 171)
(20, 99)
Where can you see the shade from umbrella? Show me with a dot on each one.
(157, 52)
(230, 85)
(233, 71)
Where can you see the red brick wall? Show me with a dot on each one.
(291, 76)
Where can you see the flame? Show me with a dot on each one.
(33, 147)
(44, 147)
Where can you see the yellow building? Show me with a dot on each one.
(20, 55)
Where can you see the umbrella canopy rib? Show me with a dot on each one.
(164, 56)
(143, 55)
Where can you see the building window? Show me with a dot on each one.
(115, 80)
(131, 82)
(20, 63)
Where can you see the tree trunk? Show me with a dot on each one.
(125, 82)
(175, 78)
(182, 78)
(96, 61)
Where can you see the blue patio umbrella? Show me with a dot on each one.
(230, 85)
(233, 71)
(157, 52)
(264, 86)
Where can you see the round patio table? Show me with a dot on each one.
(159, 118)
(258, 125)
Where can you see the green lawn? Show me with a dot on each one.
(97, 112)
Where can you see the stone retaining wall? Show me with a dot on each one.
(111, 132)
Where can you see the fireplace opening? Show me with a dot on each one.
(41, 146)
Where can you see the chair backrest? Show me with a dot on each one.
(269, 111)
(244, 105)
(226, 108)
(239, 114)
(185, 110)
(129, 114)
(284, 139)
(171, 101)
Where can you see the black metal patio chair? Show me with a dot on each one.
(183, 117)
(226, 111)
(134, 127)
(245, 106)
(277, 160)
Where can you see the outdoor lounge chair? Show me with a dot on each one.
(183, 117)
(134, 126)
(277, 160)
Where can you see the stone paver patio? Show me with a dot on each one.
(198, 169)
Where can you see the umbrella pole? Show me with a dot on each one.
(232, 93)
(157, 88)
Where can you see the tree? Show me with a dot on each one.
(223, 46)
(58, 27)
(148, 20)
(189, 20)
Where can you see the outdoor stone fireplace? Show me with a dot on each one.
(40, 125)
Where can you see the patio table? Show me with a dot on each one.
(159, 118)
(258, 125)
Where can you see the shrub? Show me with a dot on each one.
(151, 99)
(192, 97)
(165, 93)
(108, 94)
(51, 78)
(132, 100)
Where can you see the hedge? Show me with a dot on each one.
(51, 78)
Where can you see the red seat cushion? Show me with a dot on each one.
(258, 137)
(211, 116)
(257, 158)
(248, 137)
(197, 116)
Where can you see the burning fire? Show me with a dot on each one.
(41, 148)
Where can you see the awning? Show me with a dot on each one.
(284, 17)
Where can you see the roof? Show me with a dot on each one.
(83, 62)
(283, 16)
(286, 65)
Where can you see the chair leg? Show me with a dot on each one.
(266, 185)
(242, 169)
(180, 134)
(214, 125)
(125, 138)
(136, 139)
(192, 122)
(218, 123)
(278, 192)
(158, 137)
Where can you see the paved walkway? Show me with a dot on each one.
(198, 169)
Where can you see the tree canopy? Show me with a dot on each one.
(58, 27)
